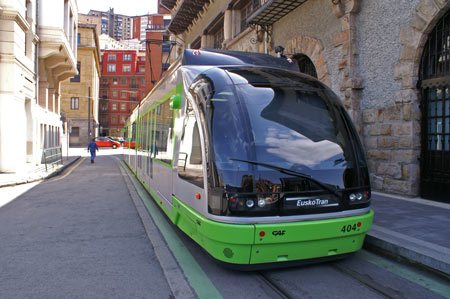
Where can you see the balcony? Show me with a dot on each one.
(268, 12)
(185, 13)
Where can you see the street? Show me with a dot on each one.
(80, 235)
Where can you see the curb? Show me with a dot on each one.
(420, 252)
(38, 177)
(175, 277)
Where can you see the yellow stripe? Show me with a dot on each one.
(58, 179)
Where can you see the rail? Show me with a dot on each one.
(51, 157)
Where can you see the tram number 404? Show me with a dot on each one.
(351, 227)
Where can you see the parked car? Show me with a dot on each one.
(129, 144)
(118, 139)
(106, 142)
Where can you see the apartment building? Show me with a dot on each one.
(115, 25)
(37, 52)
(122, 87)
(79, 94)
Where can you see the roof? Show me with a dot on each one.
(228, 58)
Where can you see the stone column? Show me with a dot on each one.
(43, 94)
(227, 25)
(204, 40)
(351, 83)
(51, 100)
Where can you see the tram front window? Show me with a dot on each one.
(297, 128)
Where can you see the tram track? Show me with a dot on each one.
(369, 282)
(274, 286)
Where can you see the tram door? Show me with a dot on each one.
(435, 85)
(163, 149)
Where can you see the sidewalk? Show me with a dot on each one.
(415, 229)
(33, 173)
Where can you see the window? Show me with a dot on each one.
(164, 132)
(142, 69)
(123, 107)
(123, 95)
(111, 57)
(126, 57)
(122, 119)
(133, 83)
(126, 68)
(143, 82)
(78, 38)
(114, 94)
(76, 78)
(75, 132)
(104, 94)
(190, 162)
(115, 81)
(111, 68)
(123, 81)
(74, 104)
(113, 119)
(114, 107)
(305, 65)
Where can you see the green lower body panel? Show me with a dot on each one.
(272, 243)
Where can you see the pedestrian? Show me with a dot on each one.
(91, 148)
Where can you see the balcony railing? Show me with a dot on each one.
(267, 12)
(157, 27)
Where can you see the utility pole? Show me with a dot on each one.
(89, 113)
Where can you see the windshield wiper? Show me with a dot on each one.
(293, 173)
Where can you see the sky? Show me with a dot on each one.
(123, 7)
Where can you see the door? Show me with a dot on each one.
(435, 88)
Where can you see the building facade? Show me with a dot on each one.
(91, 19)
(122, 87)
(115, 25)
(37, 52)
(387, 60)
(142, 23)
(79, 94)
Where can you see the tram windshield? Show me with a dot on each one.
(278, 118)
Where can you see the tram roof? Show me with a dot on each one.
(216, 57)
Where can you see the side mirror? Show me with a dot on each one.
(175, 102)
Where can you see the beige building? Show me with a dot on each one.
(37, 52)
(385, 59)
(91, 19)
(79, 94)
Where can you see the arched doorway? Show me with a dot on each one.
(435, 87)
(305, 65)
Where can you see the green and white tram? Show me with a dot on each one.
(256, 162)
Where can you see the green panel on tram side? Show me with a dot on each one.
(218, 231)
(230, 243)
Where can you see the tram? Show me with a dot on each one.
(258, 163)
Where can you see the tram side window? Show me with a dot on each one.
(133, 132)
(164, 133)
(190, 162)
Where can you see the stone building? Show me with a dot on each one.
(37, 52)
(79, 94)
(387, 60)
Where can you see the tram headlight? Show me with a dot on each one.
(250, 203)
(358, 197)
(261, 202)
